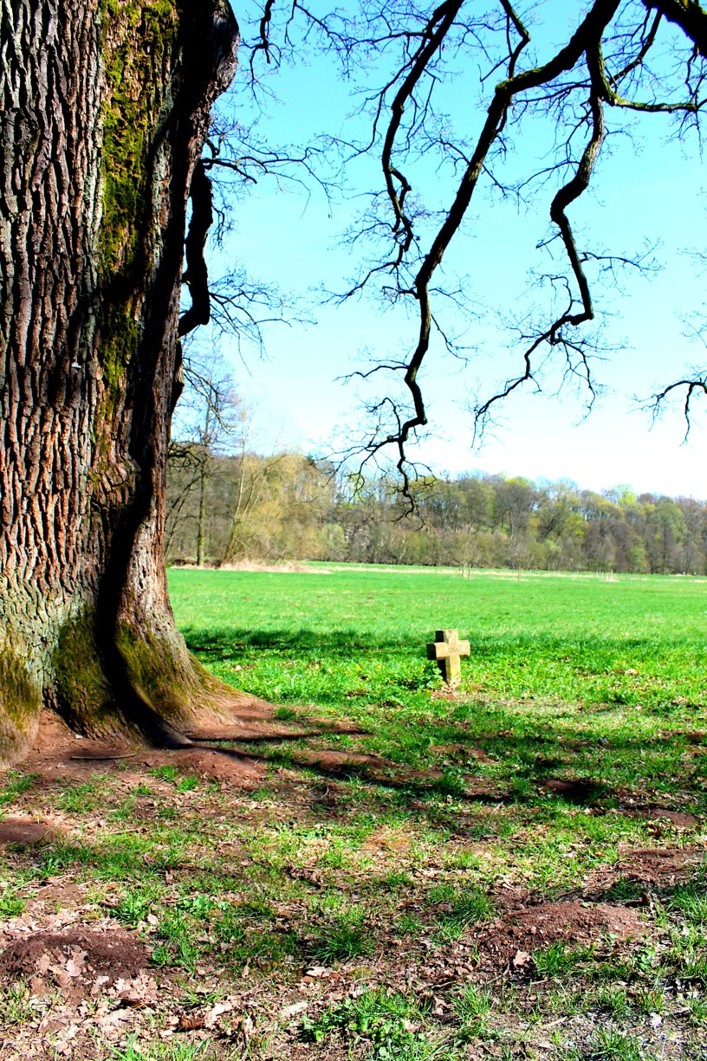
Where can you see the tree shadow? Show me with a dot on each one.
(488, 647)
(303, 641)
(374, 770)
(579, 765)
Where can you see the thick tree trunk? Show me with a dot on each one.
(201, 521)
(104, 106)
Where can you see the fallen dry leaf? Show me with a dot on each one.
(293, 1010)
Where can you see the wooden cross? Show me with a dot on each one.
(447, 649)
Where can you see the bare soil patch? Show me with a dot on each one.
(462, 752)
(580, 790)
(386, 772)
(79, 961)
(216, 764)
(524, 928)
(660, 865)
(653, 867)
(58, 753)
(27, 832)
(677, 819)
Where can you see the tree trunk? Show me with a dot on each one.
(201, 521)
(104, 106)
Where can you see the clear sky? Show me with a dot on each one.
(649, 190)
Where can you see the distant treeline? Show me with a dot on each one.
(225, 509)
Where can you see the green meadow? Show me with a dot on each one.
(579, 639)
(383, 869)
(611, 665)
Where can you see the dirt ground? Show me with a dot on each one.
(89, 985)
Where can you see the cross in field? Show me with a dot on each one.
(447, 649)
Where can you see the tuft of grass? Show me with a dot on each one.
(698, 1009)
(284, 714)
(690, 901)
(138, 901)
(459, 908)
(613, 999)
(609, 1044)
(15, 785)
(409, 925)
(82, 798)
(345, 937)
(396, 879)
(472, 1008)
(167, 772)
(178, 946)
(383, 1024)
(134, 1050)
(187, 783)
(559, 960)
(11, 904)
(16, 1005)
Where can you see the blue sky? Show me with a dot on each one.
(650, 189)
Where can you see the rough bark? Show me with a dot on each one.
(104, 106)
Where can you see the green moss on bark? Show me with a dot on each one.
(148, 669)
(121, 335)
(81, 690)
(136, 39)
(157, 673)
(20, 695)
(20, 704)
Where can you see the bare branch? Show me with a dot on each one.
(196, 276)
(690, 388)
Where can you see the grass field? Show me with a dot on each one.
(553, 658)
(512, 870)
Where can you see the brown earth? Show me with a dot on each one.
(659, 865)
(79, 961)
(87, 976)
(60, 753)
(27, 831)
(525, 927)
